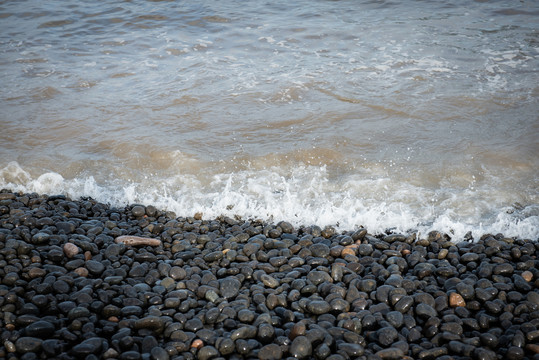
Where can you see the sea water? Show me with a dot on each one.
(392, 115)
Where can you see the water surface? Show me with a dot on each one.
(403, 115)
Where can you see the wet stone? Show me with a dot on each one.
(89, 346)
(270, 352)
(229, 287)
(404, 304)
(40, 238)
(207, 352)
(40, 329)
(320, 250)
(301, 348)
(391, 353)
(28, 344)
(95, 267)
(318, 277)
(425, 311)
(269, 281)
(387, 335)
(318, 307)
(468, 257)
(503, 269)
(194, 325)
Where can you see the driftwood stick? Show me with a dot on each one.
(137, 240)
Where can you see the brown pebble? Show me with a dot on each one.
(456, 299)
(10, 347)
(527, 275)
(10, 327)
(442, 254)
(297, 330)
(81, 271)
(349, 250)
(87, 255)
(36, 272)
(405, 252)
(197, 343)
(137, 240)
(71, 250)
(35, 259)
(198, 216)
(533, 348)
(113, 319)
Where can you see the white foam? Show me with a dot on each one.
(304, 195)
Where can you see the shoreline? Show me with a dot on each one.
(231, 288)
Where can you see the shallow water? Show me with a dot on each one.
(390, 115)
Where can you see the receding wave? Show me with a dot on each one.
(304, 195)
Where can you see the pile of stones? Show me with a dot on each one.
(84, 280)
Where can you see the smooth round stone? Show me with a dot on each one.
(131, 310)
(251, 248)
(515, 353)
(207, 352)
(36, 272)
(404, 304)
(319, 277)
(489, 340)
(352, 350)
(270, 352)
(533, 297)
(213, 256)
(113, 250)
(89, 346)
(301, 348)
(229, 287)
(387, 335)
(10, 278)
(320, 250)
(503, 269)
(456, 299)
(158, 353)
(246, 316)
(71, 250)
(425, 311)
(61, 287)
(391, 353)
(65, 227)
(469, 257)
(266, 333)
(28, 344)
(244, 332)
(78, 312)
(40, 238)
(465, 290)
(318, 307)
(193, 325)
(40, 329)
(339, 305)
(130, 355)
(269, 281)
(151, 322)
(226, 346)
(395, 318)
(486, 294)
(527, 275)
(367, 285)
(138, 211)
(177, 273)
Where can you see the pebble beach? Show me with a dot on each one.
(83, 280)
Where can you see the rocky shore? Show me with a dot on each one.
(83, 280)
